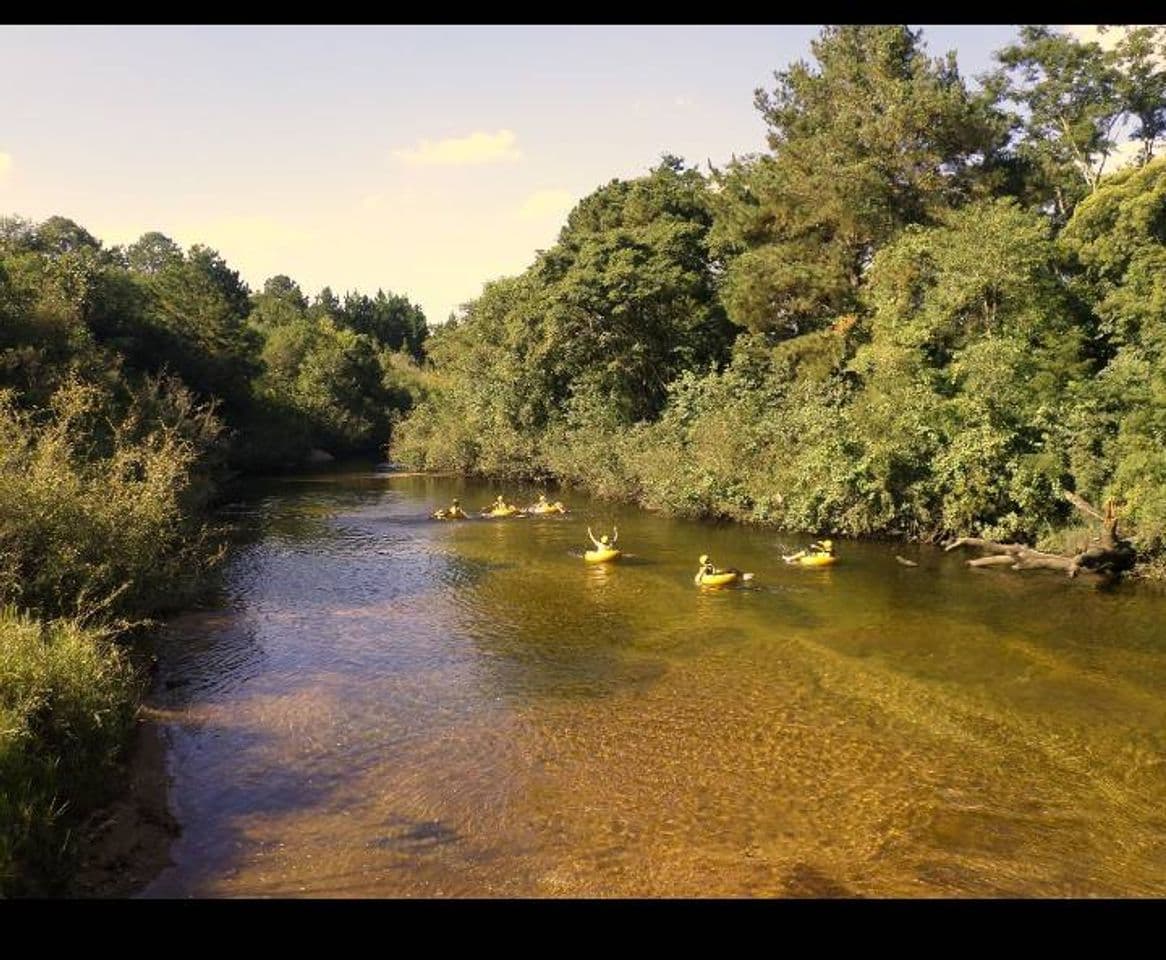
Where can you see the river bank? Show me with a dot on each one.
(126, 843)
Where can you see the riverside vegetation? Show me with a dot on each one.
(132, 383)
(926, 310)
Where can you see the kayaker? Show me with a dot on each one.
(819, 548)
(706, 568)
(542, 505)
(604, 543)
(453, 512)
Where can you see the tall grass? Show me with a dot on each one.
(67, 699)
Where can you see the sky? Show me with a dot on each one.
(420, 160)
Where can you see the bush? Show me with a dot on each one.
(95, 513)
(67, 698)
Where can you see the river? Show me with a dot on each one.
(384, 705)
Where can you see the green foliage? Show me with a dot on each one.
(332, 378)
(391, 321)
(153, 253)
(877, 137)
(1076, 97)
(66, 705)
(96, 515)
(1116, 242)
(974, 349)
(196, 315)
(927, 356)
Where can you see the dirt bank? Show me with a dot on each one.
(124, 845)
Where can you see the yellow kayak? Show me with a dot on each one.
(601, 556)
(507, 512)
(442, 515)
(719, 579)
(549, 508)
(817, 560)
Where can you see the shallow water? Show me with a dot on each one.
(384, 705)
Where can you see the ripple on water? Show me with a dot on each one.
(390, 706)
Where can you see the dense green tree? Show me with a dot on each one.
(1117, 241)
(285, 288)
(58, 235)
(152, 253)
(876, 137)
(391, 320)
(198, 308)
(332, 379)
(975, 349)
(281, 303)
(326, 304)
(630, 290)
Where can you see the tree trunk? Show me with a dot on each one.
(1111, 558)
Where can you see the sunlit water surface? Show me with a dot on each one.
(384, 705)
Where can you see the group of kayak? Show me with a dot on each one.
(500, 508)
(820, 553)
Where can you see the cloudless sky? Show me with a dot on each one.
(318, 151)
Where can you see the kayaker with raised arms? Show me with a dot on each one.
(604, 543)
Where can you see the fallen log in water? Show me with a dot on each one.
(1112, 557)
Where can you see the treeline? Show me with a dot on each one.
(132, 381)
(926, 310)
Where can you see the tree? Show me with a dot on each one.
(390, 320)
(630, 290)
(1141, 65)
(974, 356)
(877, 137)
(1116, 241)
(325, 305)
(152, 253)
(284, 288)
(198, 307)
(1076, 98)
(58, 236)
(281, 303)
(332, 379)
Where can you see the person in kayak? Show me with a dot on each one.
(604, 543)
(819, 548)
(706, 568)
(545, 506)
(453, 512)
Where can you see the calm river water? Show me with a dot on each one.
(385, 705)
